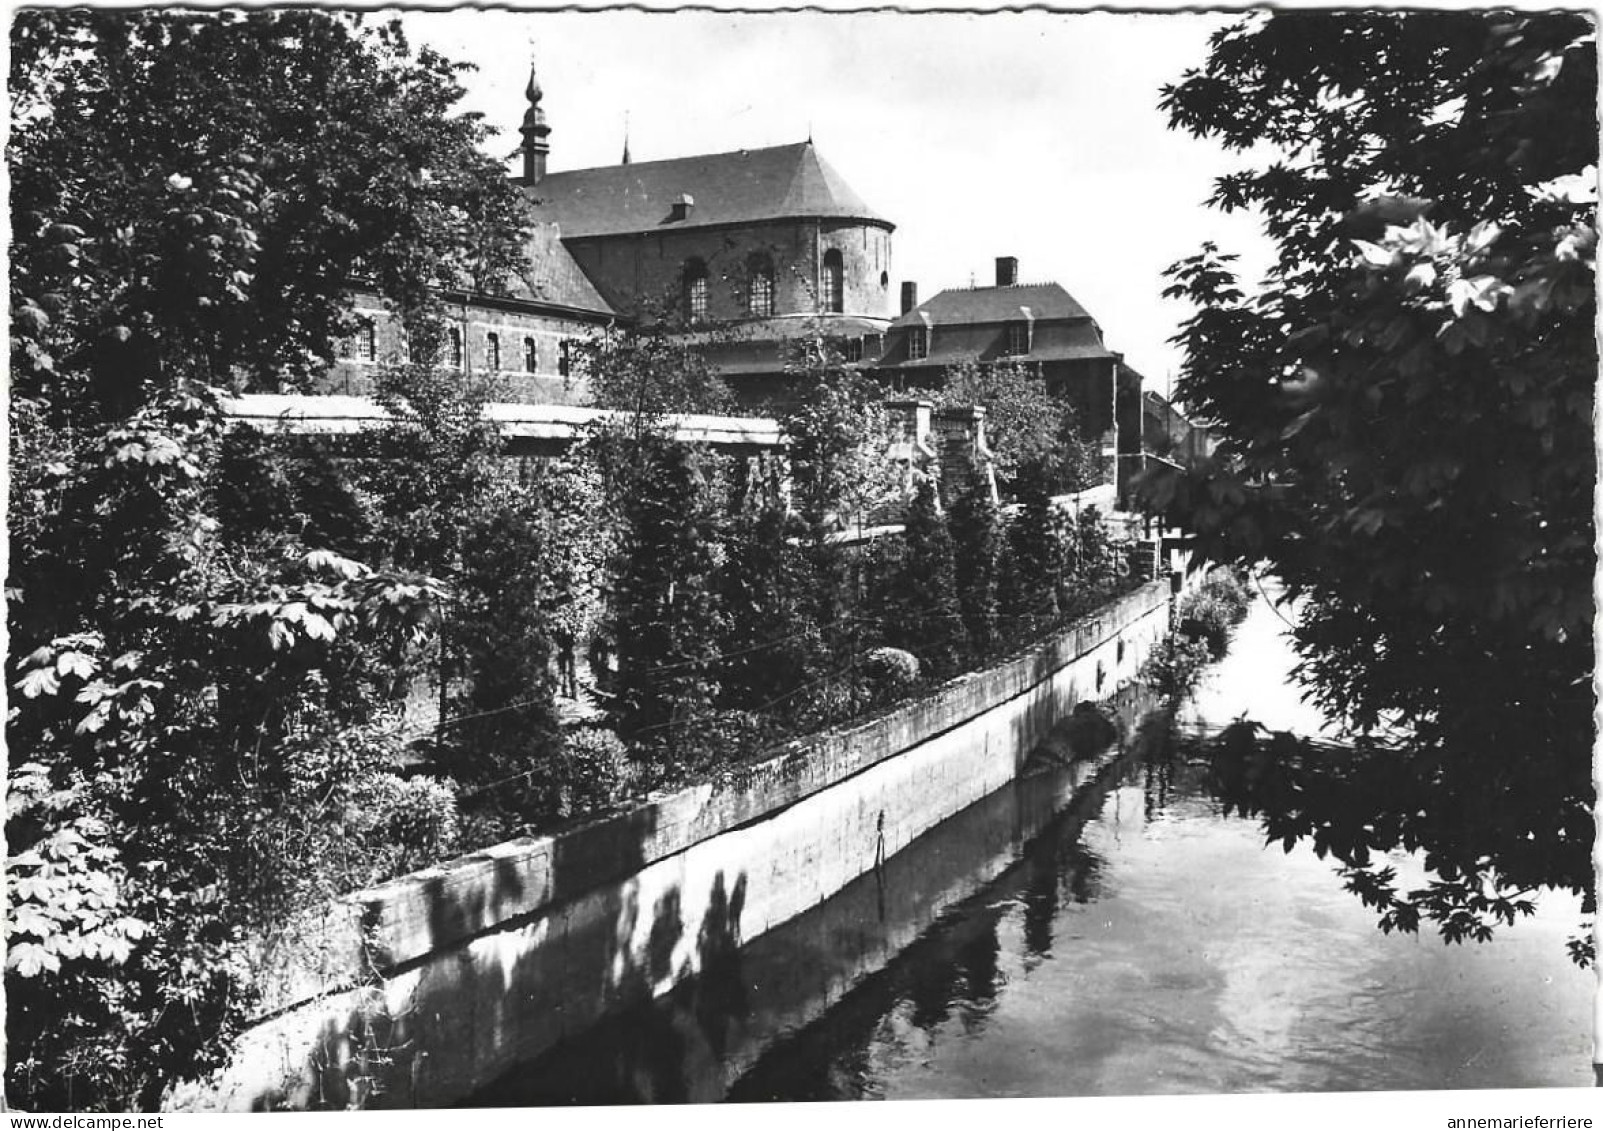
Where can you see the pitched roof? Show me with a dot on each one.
(780, 182)
(548, 273)
(960, 305)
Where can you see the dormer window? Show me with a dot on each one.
(854, 349)
(918, 343)
(1018, 338)
(682, 207)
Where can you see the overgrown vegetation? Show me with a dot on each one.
(1405, 415)
(251, 673)
(1204, 621)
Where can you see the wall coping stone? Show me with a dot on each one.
(385, 929)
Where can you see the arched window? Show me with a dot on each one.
(760, 286)
(695, 290)
(492, 352)
(834, 282)
(531, 356)
(456, 347)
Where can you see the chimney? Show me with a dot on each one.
(1007, 270)
(909, 296)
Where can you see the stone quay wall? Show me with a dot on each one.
(415, 993)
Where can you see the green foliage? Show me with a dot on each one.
(164, 677)
(924, 616)
(976, 527)
(840, 442)
(1211, 612)
(1405, 409)
(145, 248)
(204, 641)
(500, 707)
(775, 659)
(888, 674)
(1024, 424)
(1175, 666)
(1029, 589)
(649, 373)
(664, 615)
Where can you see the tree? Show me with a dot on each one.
(1405, 408)
(665, 615)
(1028, 587)
(1024, 424)
(976, 526)
(924, 616)
(192, 195)
(775, 659)
(202, 719)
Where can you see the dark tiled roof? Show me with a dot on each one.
(785, 181)
(550, 274)
(951, 343)
(790, 327)
(995, 304)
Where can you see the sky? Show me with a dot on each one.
(1035, 135)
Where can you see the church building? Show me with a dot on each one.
(740, 253)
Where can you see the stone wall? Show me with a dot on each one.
(420, 991)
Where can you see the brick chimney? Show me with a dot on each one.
(909, 296)
(1007, 270)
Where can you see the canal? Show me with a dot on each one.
(1098, 929)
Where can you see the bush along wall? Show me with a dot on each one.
(1204, 622)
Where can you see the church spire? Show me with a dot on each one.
(534, 131)
(626, 137)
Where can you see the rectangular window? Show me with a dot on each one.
(368, 337)
(698, 299)
(918, 344)
(492, 352)
(456, 347)
(854, 349)
(1018, 339)
(761, 303)
(531, 356)
(564, 361)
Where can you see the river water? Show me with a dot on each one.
(1099, 930)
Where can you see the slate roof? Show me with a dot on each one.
(748, 185)
(550, 274)
(972, 305)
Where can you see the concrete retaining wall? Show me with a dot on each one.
(486, 961)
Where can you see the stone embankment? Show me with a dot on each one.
(418, 992)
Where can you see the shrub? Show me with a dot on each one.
(1212, 611)
(887, 674)
(1175, 666)
(594, 770)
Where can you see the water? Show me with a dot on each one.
(1100, 931)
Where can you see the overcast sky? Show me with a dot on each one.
(1028, 134)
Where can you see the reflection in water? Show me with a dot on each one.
(1104, 931)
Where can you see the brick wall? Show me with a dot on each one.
(644, 273)
(543, 384)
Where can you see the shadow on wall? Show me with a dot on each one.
(427, 1037)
